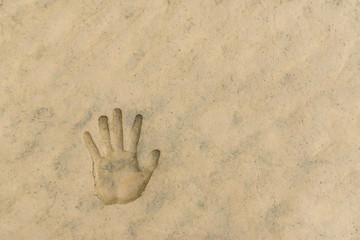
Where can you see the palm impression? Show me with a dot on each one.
(117, 175)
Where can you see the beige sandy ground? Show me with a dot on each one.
(255, 106)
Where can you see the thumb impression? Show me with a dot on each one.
(151, 161)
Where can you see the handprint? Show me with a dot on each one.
(117, 175)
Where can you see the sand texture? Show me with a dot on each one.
(254, 105)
